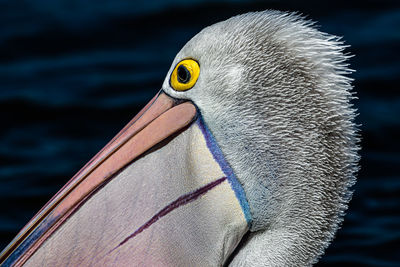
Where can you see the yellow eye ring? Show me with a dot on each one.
(185, 75)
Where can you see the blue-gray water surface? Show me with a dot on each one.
(72, 73)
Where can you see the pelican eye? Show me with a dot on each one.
(185, 75)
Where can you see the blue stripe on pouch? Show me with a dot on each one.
(219, 157)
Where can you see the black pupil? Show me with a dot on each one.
(183, 74)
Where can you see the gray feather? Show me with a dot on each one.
(275, 93)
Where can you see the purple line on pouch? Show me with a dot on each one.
(182, 200)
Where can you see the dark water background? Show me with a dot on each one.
(73, 72)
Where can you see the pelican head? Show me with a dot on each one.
(273, 93)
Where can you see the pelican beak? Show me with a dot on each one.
(110, 211)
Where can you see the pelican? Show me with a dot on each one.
(246, 157)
